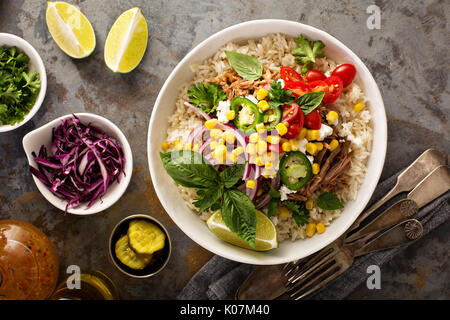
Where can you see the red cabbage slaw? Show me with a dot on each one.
(82, 163)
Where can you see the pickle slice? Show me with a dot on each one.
(145, 237)
(128, 257)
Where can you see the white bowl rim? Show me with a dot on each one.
(121, 187)
(382, 138)
(22, 44)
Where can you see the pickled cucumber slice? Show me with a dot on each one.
(128, 257)
(145, 237)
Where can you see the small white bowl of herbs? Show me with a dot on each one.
(23, 82)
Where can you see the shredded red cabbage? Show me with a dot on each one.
(82, 164)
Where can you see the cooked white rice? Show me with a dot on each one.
(274, 51)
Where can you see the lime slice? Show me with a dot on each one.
(144, 237)
(130, 258)
(266, 234)
(126, 42)
(70, 29)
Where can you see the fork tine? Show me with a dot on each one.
(319, 280)
(311, 265)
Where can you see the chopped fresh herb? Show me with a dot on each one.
(307, 52)
(279, 96)
(329, 201)
(309, 101)
(299, 212)
(246, 66)
(206, 97)
(273, 204)
(191, 170)
(19, 87)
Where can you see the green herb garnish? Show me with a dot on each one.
(246, 66)
(273, 204)
(309, 101)
(278, 96)
(206, 97)
(307, 52)
(329, 201)
(19, 86)
(299, 212)
(215, 191)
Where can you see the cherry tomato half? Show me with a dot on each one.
(289, 74)
(318, 86)
(314, 75)
(298, 88)
(290, 112)
(335, 87)
(312, 120)
(293, 131)
(346, 72)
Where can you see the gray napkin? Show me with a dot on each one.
(220, 278)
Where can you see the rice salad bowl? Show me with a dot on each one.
(273, 141)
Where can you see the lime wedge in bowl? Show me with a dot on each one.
(266, 234)
(70, 29)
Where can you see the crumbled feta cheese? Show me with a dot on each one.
(347, 132)
(221, 111)
(284, 191)
(282, 82)
(252, 99)
(311, 159)
(302, 145)
(325, 131)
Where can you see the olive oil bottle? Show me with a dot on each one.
(94, 285)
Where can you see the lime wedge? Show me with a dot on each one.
(127, 41)
(70, 29)
(266, 234)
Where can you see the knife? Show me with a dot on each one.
(431, 187)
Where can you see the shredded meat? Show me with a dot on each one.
(297, 196)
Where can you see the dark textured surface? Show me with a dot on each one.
(408, 57)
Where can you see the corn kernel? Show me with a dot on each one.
(319, 146)
(232, 157)
(268, 173)
(220, 149)
(251, 148)
(196, 147)
(281, 128)
(309, 204)
(229, 137)
(294, 145)
(334, 144)
(320, 228)
(251, 184)
(311, 148)
(165, 146)
(263, 105)
(284, 211)
(220, 141)
(310, 229)
(211, 123)
(260, 192)
(273, 139)
(238, 151)
(230, 115)
(312, 135)
(175, 143)
(252, 159)
(302, 134)
(315, 168)
(261, 147)
(213, 144)
(216, 133)
(286, 146)
(260, 128)
(332, 116)
(220, 153)
(187, 146)
(259, 161)
(358, 107)
(261, 94)
(253, 137)
(269, 165)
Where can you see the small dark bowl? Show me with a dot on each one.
(159, 259)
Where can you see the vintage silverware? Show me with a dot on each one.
(431, 187)
(307, 280)
(407, 180)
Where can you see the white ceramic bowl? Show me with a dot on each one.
(43, 136)
(36, 64)
(164, 106)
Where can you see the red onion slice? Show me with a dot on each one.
(200, 112)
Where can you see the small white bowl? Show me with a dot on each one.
(36, 64)
(43, 136)
(164, 106)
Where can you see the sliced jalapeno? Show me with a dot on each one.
(272, 117)
(295, 170)
(247, 114)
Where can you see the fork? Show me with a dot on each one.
(306, 278)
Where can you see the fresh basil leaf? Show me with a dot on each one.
(206, 97)
(299, 212)
(190, 169)
(239, 215)
(307, 52)
(207, 198)
(309, 101)
(329, 201)
(274, 193)
(231, 175)
(272, 207)
(246, 66)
